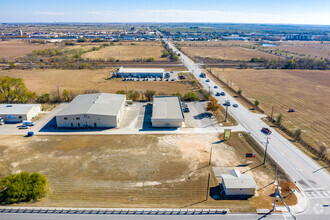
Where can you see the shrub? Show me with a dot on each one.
(22, 187)
(190, 96)
(44, 98)
(149, 94)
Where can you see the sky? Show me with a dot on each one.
(215, 11)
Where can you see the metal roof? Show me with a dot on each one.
(235, 180)
(18, 109)
(96, 104)
(167, 107)
(140, 70)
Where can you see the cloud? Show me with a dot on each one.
(95, 13)
(49, 13)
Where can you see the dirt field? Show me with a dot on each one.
(307, 91)
(41, 81)
(312, 49)
(133, 170)
(17, 48)
(128, 52)
(222, 49)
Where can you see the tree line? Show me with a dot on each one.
(301, 63)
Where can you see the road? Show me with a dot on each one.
(309, 176)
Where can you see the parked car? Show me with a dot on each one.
(202, 75)
(266, 131)
(235, 106)
(292, 110)
(23, 127)
(172, 79)
(28, 123)
(217, 94)
(182, 77)
(186, 110)
(2, 121)
(215, 87)
(223, 93)
(208, 80)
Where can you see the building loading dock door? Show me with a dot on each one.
(95, 125)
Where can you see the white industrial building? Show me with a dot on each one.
(139, 72)
(167, 112)
(99, 110)
(16, 113)
(235, 183)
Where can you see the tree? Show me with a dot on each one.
(22, 187)
(133, 95)
(149, 94)
(279, 119)
(178, 94)
(297, 134)
(44, 98)
(65, 95)
(240, 91)
(213, 105)
(80, 40)
(13, 90)
(322, 151)
(151, 59)
(190, 96)
(12, 65)
(256, 103)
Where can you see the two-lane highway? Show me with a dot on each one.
(308, 175)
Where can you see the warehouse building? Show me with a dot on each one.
(16, 113)
(139, 72)
(99, 110)
(235, 183)
(167, 112)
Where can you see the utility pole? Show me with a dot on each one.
(226, 112)
(265, 156)
(271, 116)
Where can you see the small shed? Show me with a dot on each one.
(236, 184)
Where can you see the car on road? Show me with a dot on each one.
(266, 130)
(217, 94)
(235, 106)
(186, 110)
(172, 79)
(208, 80)
(23, 127)
(215, 87)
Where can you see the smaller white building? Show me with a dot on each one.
(167, 112)
(16, 113)
(235, 183)
(139, 72)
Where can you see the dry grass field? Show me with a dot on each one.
(230, 50)
(17, 48)
(312, 49)
(307, 91)
(45, 81)
(160, 171)
(127, 51)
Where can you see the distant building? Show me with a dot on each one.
(16, 113)
(139, 72)
(235, 183)
(99, 110)
(167, 112)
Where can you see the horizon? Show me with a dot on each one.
(296, 12)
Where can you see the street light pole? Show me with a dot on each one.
(226, 112)
(265, 156)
